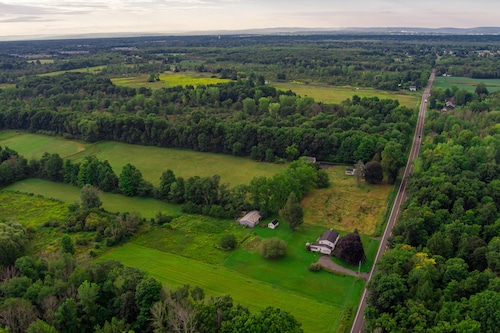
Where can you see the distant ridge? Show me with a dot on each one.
(278, 31)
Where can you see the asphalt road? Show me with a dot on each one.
(359, 320)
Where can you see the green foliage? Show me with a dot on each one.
(273, 248)
(350, 249)
(228, 242)
(67, 245)
(292, 212)
(130, 180)
(373, 172)
(89, 196)
(13, 242)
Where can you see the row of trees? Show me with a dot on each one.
(241, 118)
(443, 272)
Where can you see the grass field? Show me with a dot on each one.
(344, 206)
(175, 271)
(151, 161)
(33, 211)
(466, 83)
(168, 79)
(147, 207)
(89, 70)
(330, 94)
(7, 85)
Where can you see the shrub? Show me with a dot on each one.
(273, 248)
(228, 242)
(315, 267)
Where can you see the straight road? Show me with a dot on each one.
(359, 321)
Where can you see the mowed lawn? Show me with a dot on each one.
(466, 83)
(345, 206)
(151, 161)
(168, 79)
(175, 271)
(147, 207)
(32, 145)
(335, 95)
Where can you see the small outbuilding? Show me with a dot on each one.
(273, 224)
(350, 171)
(251, 219)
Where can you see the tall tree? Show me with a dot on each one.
(392, 160)
(89, 196)
(292, 212)
(373, 172)
(130, 179)
(350, 249)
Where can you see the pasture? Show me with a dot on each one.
(175, 271)
(469, 84)
(168, 79)
(151, 161)
(335, 95)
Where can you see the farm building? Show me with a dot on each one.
(326, 243)
(350, 171)
(273, 224)
(311, 159)
(251, 219)
(413, 88)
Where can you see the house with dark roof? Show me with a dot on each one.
(326, 243)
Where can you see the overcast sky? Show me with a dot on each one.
(59, 17)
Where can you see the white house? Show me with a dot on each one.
(251, 219)
(326, 243)
(273, 224)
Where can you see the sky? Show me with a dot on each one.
(68, 17)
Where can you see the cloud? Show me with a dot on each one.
(21, 19)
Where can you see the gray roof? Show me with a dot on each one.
(329, 235)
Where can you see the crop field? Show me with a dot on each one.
(175, 271)
(335, 95)
(147, 207)
(345, 206)
(466, 83)
(168, 79)
(151, 161)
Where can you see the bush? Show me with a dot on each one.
(315, 267)
(273, 248)
(228, 242)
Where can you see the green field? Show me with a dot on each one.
(466, 83)
(89, 70)
(147, 207)
(335, 95)
(151, 161)
(175, 271)
(168, 79)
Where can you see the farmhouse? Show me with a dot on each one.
(251, 219)
(326, 243)
(311, 159)
(350, 171)
(413, 88)
(273, 224)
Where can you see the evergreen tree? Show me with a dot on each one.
(292, 212)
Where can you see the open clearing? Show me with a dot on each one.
(344, 206)
(89, 70)
(151, 161)
(175, 271)
(168, 79)
(466, 83)
(335, 95)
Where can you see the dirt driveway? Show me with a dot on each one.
(326, 262)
